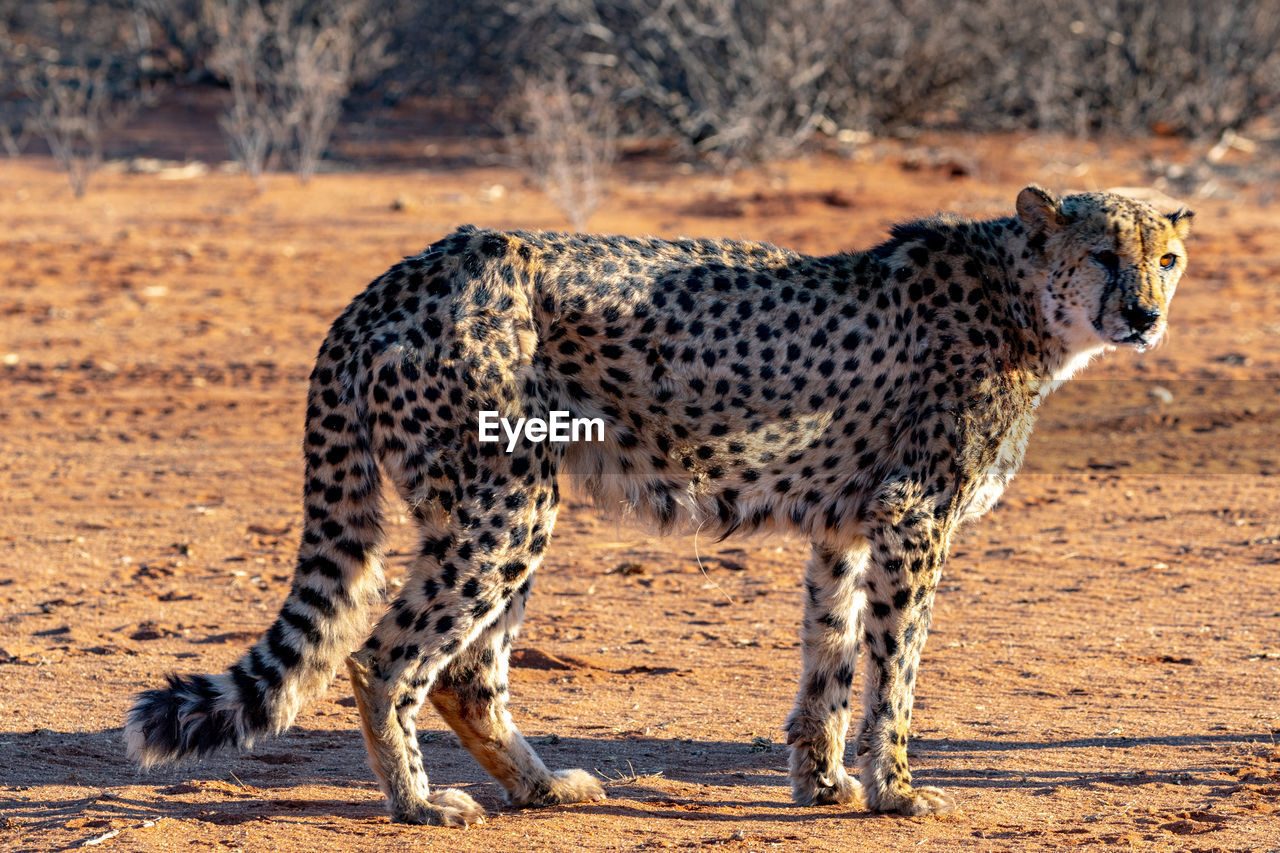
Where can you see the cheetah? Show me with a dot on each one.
(871, 401)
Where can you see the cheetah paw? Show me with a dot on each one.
(444, 807)
(916, 802)
(845, 791)
(837, 789)
(564, 786)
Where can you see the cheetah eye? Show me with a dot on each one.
(1110, 260)
(1168, 261)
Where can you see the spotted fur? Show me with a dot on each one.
(871, 401)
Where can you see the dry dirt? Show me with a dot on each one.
(1104, 667)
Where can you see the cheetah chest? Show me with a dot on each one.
(989, 484)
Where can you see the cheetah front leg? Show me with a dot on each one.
(905, 564)
(818, 724)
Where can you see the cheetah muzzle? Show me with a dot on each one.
(872, 401)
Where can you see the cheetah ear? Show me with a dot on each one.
(1040, 210)
(1181, 222)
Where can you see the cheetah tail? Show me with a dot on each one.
(324, 618)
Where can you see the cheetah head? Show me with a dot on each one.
(1112, 264)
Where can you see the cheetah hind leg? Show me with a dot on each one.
(444, 637)
(471, 695)
(387, 717)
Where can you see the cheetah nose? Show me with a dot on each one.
(1140, 317)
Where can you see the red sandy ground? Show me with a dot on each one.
(1104, 666)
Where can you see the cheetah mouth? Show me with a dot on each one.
(1139, 341)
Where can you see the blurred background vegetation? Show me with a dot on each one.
(723, 82)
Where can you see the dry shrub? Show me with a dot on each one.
(73, 106)
(289, 65)
(15, 118)
(566, 137)
(70, 92)
(738, 79)
(182, 32)
(906, 64)
(1129, 66)
(15, 108)
(730, 80)
(727, 80)
(253, 122)
(318, 63)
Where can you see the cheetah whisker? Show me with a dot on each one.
(703, 569)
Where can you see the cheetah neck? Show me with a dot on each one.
(1017, 264)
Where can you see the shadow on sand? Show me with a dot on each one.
(52, 777)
